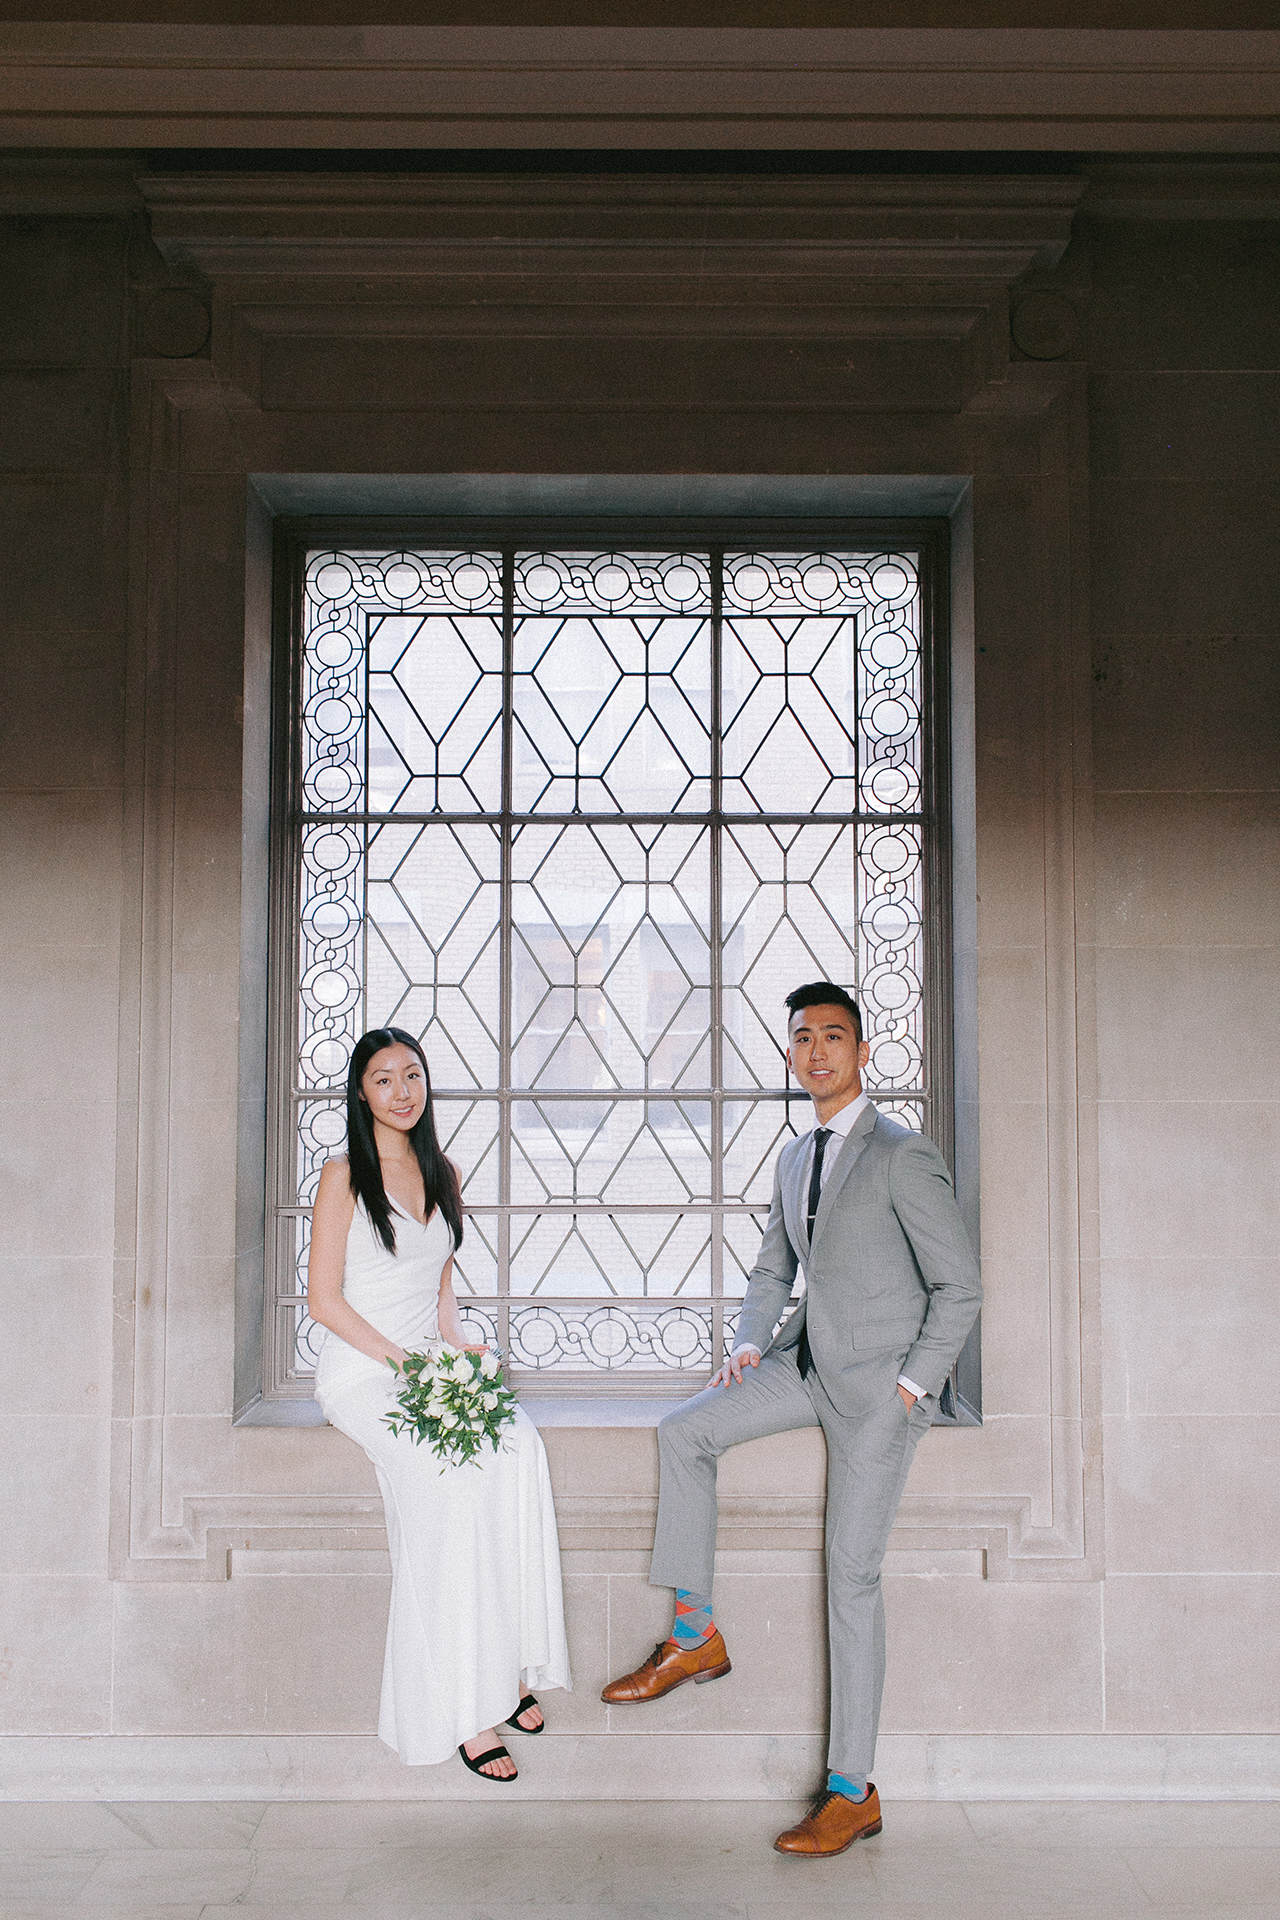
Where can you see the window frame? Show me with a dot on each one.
(929, 538)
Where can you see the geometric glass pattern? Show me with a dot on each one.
(580, 820)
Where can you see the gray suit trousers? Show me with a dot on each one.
(867, 1460)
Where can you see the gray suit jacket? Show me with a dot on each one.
(891, 1266)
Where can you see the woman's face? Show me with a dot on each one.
(395, 1088)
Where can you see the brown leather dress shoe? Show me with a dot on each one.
(832, 1824)
(670, 1666)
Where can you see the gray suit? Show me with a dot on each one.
(891, 1287)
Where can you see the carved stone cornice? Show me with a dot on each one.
(412, 290)
(834, 88)
(886, 227)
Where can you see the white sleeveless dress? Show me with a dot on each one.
(477, 1616)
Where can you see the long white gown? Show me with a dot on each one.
(477, 1615)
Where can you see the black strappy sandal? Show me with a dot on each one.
(483, 1759)
(524, 1707)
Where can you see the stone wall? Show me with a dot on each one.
(1186, 604)
(208, 1599)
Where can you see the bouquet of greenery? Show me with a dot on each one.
(453, 1400)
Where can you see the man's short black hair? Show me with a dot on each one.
(824, 993)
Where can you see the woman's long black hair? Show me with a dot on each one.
(439, 1183)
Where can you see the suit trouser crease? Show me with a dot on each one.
(868, 1457)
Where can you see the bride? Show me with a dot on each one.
(477, 1618)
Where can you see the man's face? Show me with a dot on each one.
(826, 1056)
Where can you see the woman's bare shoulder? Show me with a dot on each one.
(335, 1180)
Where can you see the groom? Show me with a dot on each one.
(891, 1291)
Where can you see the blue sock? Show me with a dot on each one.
(851, 1789)
(693, 1618)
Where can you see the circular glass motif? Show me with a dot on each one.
(542, 583)
(333, 581)
(470, 582)
(889, 582)
(611, 583)
(332, 716)
(890, 853)
(328, 1126)
(608, 1338)
(750, 583)
(820, 582)
(890, 1060)
(329, 989)
(537, 1336)
(681, 583)
(890, 786)
(327, 1058)
(334, 784)
(331, 851)
(334, 648)
(402, 581)
(331, 920)
(891, 923)
(891, 989)
(679, 1338)
(887, 719)
(889, 649)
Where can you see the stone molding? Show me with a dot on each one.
(596, 87)
(1024, 1490)
(36, 183)
(228, 222)
(327, 278)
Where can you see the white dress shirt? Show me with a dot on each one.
(841, 1125)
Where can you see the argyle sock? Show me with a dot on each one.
(851, 1789)
(693, 1619)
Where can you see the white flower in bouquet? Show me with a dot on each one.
(454, 1400)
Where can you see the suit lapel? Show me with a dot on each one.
(792, 1198)
(846, 1160)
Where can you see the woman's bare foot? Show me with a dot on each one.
(530, 1719)
(503, 1769)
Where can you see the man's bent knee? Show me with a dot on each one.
(687, 1429)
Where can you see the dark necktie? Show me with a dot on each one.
(804, 1359)
(820, 1140)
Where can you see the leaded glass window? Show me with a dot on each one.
(580, 819)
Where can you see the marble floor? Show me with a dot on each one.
(640, 1861)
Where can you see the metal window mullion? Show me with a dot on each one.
(599, 1096)
(442, 817)
(856, 818)
(366, 730)
(714, 854)
(505, 939)
(285, 937)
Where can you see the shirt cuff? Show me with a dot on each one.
(748, 1346)
(911, 1386)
